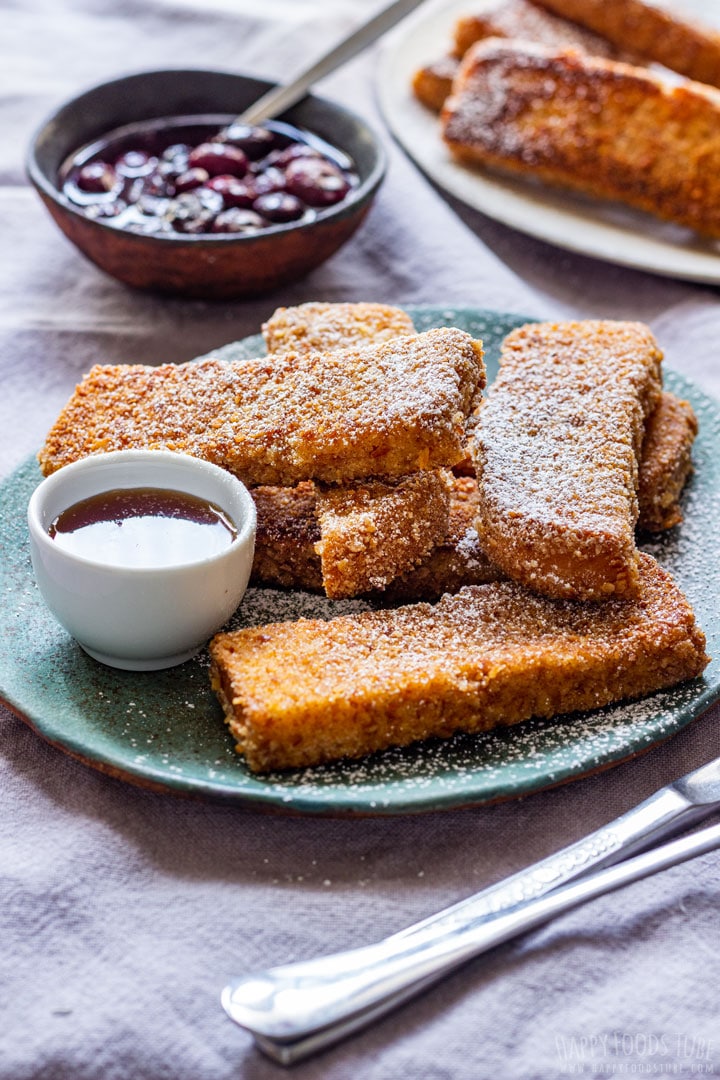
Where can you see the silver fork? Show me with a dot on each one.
(297, 1009)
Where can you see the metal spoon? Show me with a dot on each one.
(280, 98)
(297, 1009)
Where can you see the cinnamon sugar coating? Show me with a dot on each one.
(653, 31)
(371, 531)
(557, 453)
(380, 410)
(666, 463)
(608, 129)
(319, 327)
(303, 693)
(288, 529)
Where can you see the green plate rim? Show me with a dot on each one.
(529, 757)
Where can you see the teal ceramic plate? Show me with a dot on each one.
(165, 730)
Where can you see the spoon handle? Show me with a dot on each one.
(280, 98)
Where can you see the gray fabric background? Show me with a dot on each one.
(123, 912)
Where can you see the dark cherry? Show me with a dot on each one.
(281, 158)
(193, 178)
(255, 142)
(271, 179)
(234, 192)
(194, 211)
(105, 209)
(279, 207)
(316, 181)
(97, 178)
(218, 159)
(135, 163)
(238, 221)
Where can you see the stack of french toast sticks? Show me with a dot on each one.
(505, 525)
(569, 93)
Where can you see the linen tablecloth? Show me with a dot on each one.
(122, 911)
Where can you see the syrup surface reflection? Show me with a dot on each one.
(143, 527)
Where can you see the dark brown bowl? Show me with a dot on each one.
(218, 267)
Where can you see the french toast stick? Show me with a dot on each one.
(285, 538)
(333, 416)
(507, 19)
(655, 32)
(308, 692)
(432, 83)
(666, 463)
(557, 452)
(597, 126)
(288, 529)
(319, 327)
(529, 22)
(288, 533)
(371, 531)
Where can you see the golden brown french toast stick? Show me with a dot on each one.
(652, 30)
(383, 410)
(303, 693)
(372, 531)
(529, 22)
(320, 327)
(666, 463)
(557, 451)
(597, 126)
(288, 533)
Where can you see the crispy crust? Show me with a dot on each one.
(557, 454)
(666, 463)
(333, 416)
(658, 34)
(371, 531)
(286, 535)
(601, 127)
(319, 327)
(455, 561)
(304, 693)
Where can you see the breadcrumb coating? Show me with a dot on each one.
(666, 463)
(319, 327)
(556, 453)
(285, 538)
(381, 410)
(605, 128)
(308, 692)
(371, 531)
